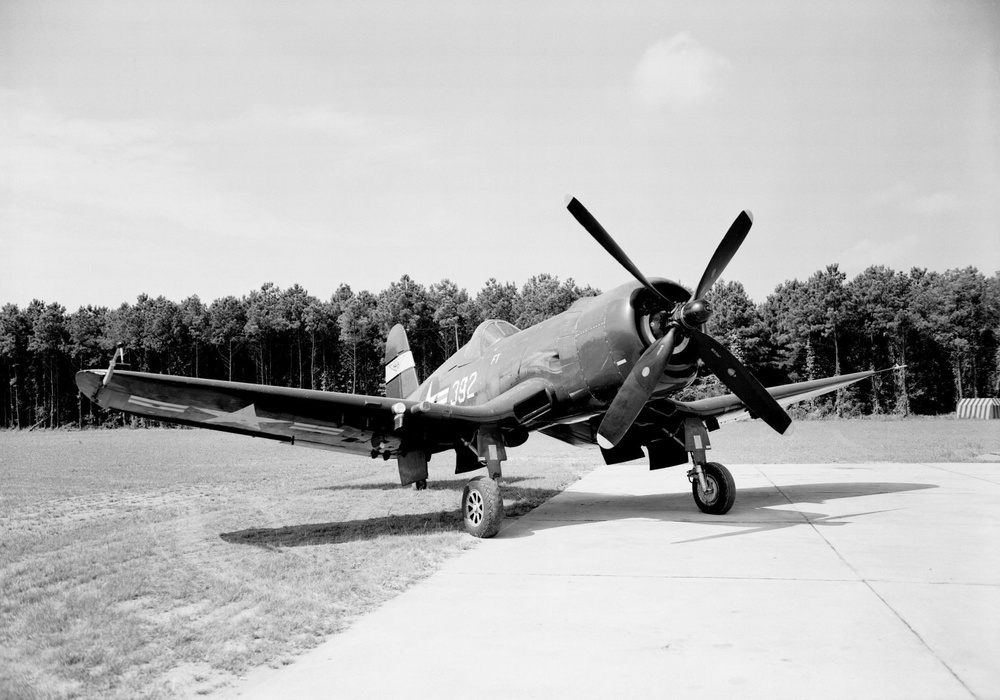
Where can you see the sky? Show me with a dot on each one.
(181, 148)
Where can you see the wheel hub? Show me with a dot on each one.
(474, 508)
(710, 495)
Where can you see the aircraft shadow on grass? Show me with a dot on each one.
(518, 501)
(348, 531)
(757, 510)
(437, 485)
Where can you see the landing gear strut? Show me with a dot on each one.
(711, 483)
(482, 507)
(482, 502)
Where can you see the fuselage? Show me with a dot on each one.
(583, 354)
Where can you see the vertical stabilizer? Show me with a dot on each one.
(400, 371)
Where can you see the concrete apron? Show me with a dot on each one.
(870, 580)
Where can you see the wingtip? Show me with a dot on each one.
(604, 442)
(568, 199)
(88, 381)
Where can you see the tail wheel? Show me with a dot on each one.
(482, 507)
(721, 493)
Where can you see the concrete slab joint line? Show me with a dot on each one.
(823, 581)
(886, 603)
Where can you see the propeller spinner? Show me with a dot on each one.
(684, 320)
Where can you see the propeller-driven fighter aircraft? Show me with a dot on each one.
(601, 372)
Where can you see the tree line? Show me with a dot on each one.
(284, 337)
(943, 326)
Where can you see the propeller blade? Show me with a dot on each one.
(595, 229)
(734, 375)
(635, 391)
(724, 253)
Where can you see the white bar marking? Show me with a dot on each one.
(403, 362)
(160, 405)
(310, 428)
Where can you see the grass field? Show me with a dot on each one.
(158, 563)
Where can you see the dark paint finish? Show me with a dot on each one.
(602, 369)
(567, 368)
(584, 353)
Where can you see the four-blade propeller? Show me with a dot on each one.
(685, 320)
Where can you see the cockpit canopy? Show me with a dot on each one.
(488, 333)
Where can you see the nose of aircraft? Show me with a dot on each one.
(637, 388)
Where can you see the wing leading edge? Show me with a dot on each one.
(342, 422)
(666, 415)
(331, 420)
(727, 408)
(358, 424)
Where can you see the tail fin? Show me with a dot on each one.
(400, 371)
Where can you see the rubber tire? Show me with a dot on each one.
(721, 477)
(482, 507)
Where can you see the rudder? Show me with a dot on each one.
(400, 369)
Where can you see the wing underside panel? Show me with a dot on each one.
(300, 420)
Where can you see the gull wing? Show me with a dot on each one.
(666, 414)
(728, 407)
(330, 420)
(342, 422)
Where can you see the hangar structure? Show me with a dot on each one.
(979, 408)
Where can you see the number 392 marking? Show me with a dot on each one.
(462, 390)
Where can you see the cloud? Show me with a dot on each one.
(57, 161)
(937, 203)
(889, 249)
(365, 135)
(319, 120)
(677, 72)
(205, 176)
(906, 198)
(144, 203)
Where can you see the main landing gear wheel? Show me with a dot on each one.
(721, 493)
(482, 507)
